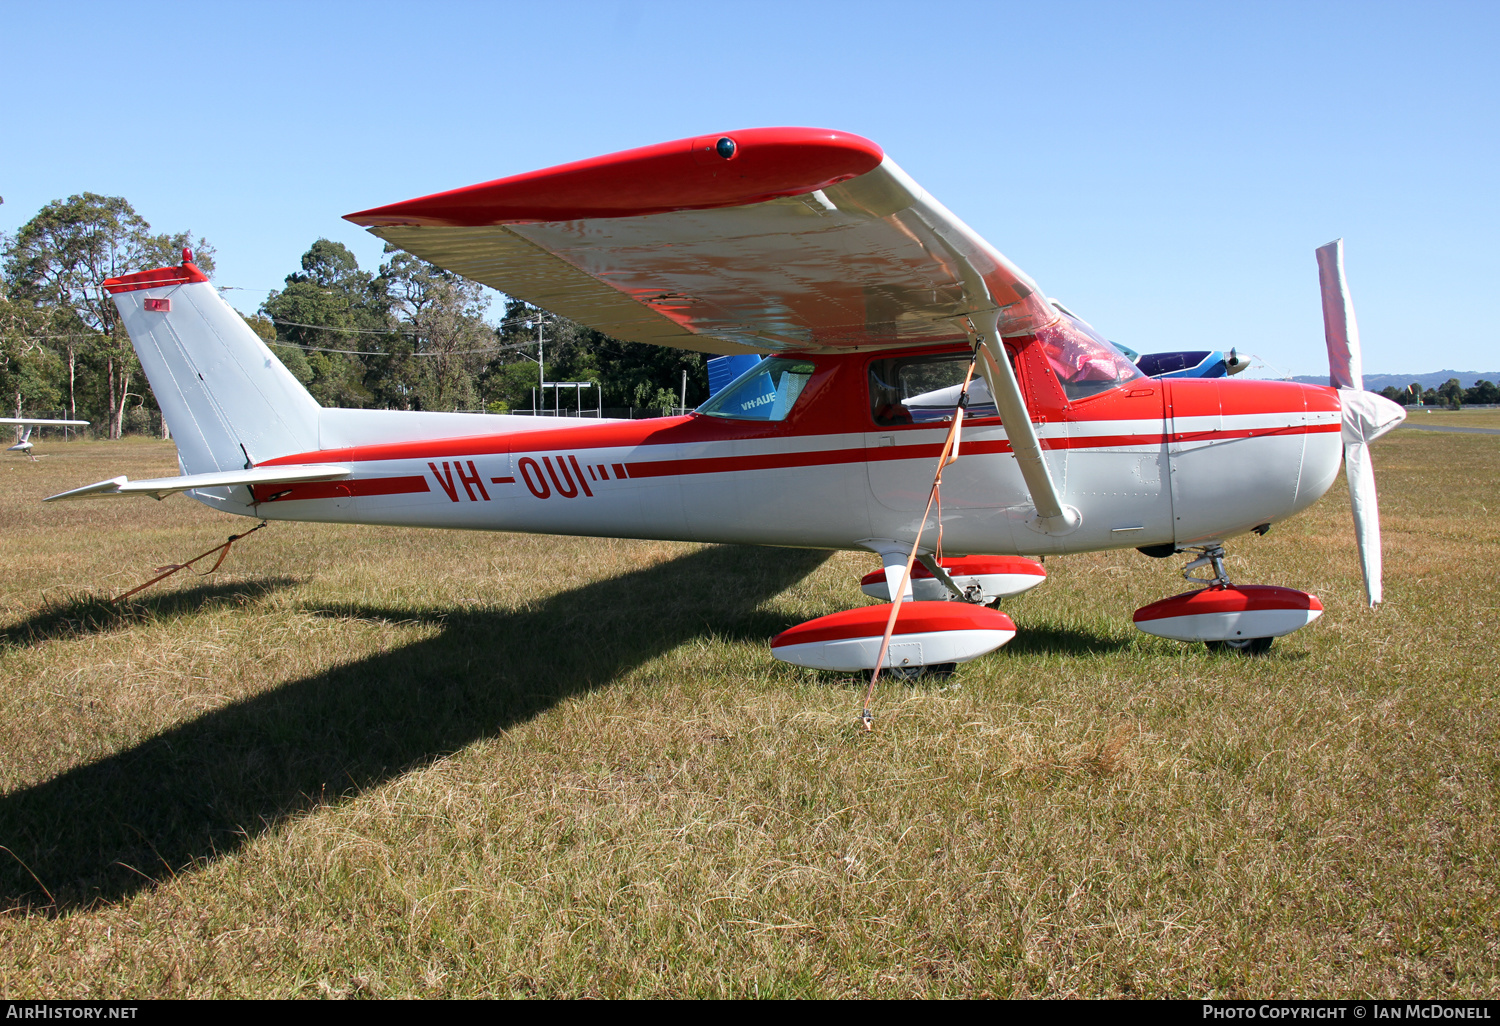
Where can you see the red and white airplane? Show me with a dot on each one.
(870, 299)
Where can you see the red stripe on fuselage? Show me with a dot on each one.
(833, 457)
(697, 429)
(343, 489)
(726, 464)
(834, 406)
(584, 436)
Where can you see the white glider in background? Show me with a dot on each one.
(24, 444)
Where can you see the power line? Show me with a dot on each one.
(351, 331)
(368, 352)
(313, 349)
(40, 338)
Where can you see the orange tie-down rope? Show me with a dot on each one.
(950, 453)
(172, 568)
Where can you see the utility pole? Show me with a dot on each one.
(540, 363)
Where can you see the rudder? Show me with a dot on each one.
(228, 400)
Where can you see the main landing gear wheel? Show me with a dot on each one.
(1242, 646)
(926, 672)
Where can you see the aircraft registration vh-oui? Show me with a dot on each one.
(898, 342)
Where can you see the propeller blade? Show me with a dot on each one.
(1367, 416)
(1345, 368)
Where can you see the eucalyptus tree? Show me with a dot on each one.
(445, 338)
(333, 305)
(61, 258)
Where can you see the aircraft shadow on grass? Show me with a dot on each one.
(101, 832)
(1044, 639)
(80, 617)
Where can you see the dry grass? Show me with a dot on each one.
(390, 763)
(1454, 418)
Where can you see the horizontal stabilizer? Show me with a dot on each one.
(161, 487)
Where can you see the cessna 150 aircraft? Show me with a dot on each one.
(897, 338)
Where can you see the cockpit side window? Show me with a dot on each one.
(1085, 363)
(767, 391)
(924, 389)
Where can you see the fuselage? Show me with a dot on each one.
(1148, 463)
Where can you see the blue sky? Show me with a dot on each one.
(1165, 169)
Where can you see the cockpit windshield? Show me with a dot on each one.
(767, 391)
(1084, 363)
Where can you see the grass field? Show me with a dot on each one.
(1454, 418)
(370, 762)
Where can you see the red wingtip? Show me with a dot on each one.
(754, 165)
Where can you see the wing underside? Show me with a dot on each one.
(803, 239)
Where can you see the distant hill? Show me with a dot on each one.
(1377, 382)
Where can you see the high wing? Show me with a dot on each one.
(759, 241)
(161, 487)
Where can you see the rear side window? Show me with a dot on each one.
(767, 391)
(924, 389)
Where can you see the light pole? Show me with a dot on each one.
(540, 364)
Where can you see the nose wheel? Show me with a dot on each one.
(1242, 619)
(1212, 558)
(1245, 646)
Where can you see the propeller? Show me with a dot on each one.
(1366, 415)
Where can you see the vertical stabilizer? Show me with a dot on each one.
(229, 402)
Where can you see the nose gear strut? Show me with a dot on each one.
(1213, 557)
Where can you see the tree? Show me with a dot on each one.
(417, 339)
(647, 398)
(61, 258)
(291, 357)
(1452, 393)
(625, 371)
(29, 369)
(1484, 392)
(505, 387)
(442, 322)
(626, 366)
(329, 305)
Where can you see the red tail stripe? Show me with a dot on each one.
(156, 278)
(344, 489)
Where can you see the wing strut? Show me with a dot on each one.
(1052, 517)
